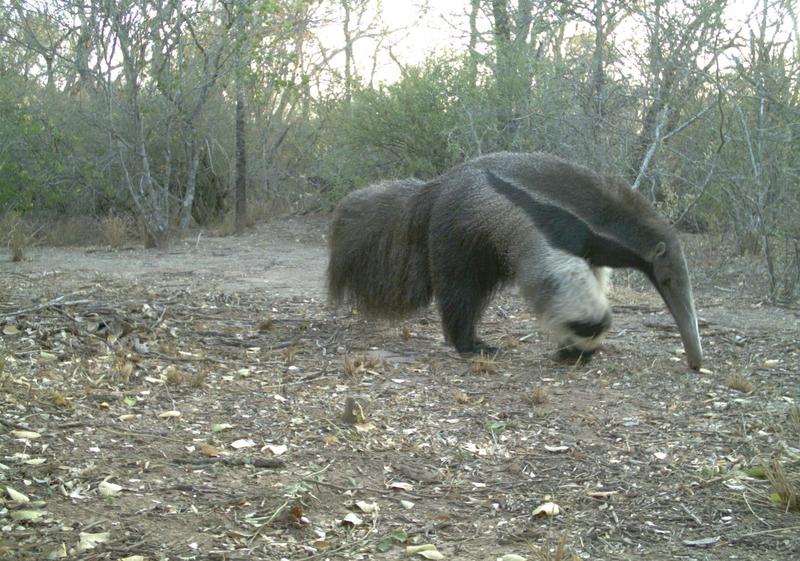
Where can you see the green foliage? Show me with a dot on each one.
(47, 154)
(398, 130)
(17, 127)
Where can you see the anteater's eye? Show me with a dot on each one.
(666, 283)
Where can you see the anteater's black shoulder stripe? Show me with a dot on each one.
(565, 230)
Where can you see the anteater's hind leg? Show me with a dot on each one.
(461, 306)
(464, 280)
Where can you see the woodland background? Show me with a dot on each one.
(157, 116)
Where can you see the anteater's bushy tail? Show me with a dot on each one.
(379, 248)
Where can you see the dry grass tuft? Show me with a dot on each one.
(124, 369)
(483, 364)
(357, 364)
(786, 490)
(558, 553)
(266, 325)
(174, 376)
(59, 400)
(263, 210)
(15, 233)
(290, 354)
(510, 342)
(794, 418)
(114, 231)
(351, 366)
(18, 244)
(228, 226)
(538, 396)
(69, 232)
(198, 379)
(740, 383)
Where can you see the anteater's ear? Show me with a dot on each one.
(659, 250)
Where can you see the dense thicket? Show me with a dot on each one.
(130, 107)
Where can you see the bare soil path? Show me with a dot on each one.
(188, 404)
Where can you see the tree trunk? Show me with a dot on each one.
(522, 25)
(475, 6)
(151, 199)
(240, 219)
(502, 37)
(191, 186)
(662, 78)
(348, 53)
(503, 71)
(598, 80)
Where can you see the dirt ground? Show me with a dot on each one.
(202, 402)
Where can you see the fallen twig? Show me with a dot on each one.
(50, 304)
(255, 462)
